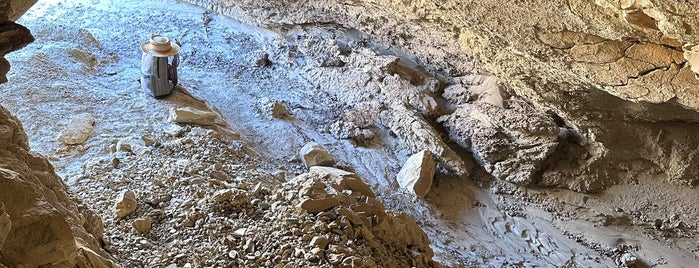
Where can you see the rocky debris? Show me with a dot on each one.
(143, 225)
(225, 212)
(349, 130)
(628, 260)
(189, 115)
(417, 173)
(512, 143)
(78, 130)
(137, 146)
(418, 135)
(125, 204)
(40, 222)
(222, 195)
(313, 154)
(346, 196)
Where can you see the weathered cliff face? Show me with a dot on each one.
(40, 223)
(618, 77)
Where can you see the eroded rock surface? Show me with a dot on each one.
(606, 69)
(40, 223)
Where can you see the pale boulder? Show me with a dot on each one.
(78, 130)
(190, 115)
(313, 154)
(417, 173)
(126, 203)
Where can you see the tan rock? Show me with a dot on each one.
(318, 205)
(190, 115)
(222, 195)
(417, 173)
(692, 58)
(143, 225)
(135, 145)
(313, 154)
(46, 226)
(78, 130)
(126, 203)
(240, 199)
(343, 180)
(320, 241)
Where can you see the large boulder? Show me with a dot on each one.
(417, 173)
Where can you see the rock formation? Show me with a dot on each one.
(41, 224)
(618, 77)
(12, 35)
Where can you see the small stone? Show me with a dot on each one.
(628, 259)
(192, 116)
(264, 61)
(219, 175)
(240, 232)
(126, 203)
(279, 111)
(134, 145)
(335, 259)
(417, 173)
(314, 255)
(318, 205)
(257, 189)
(233, 254)
(299, 252)
(313, 154)
(222, 195)
(143, 225)
(78, 130)
(240, 199)
(148, 140)
(173, 130)
(343, 180)
(320, 241)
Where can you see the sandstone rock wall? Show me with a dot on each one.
(619, 76)
(40, 223)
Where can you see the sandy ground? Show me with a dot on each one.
(86, 59)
